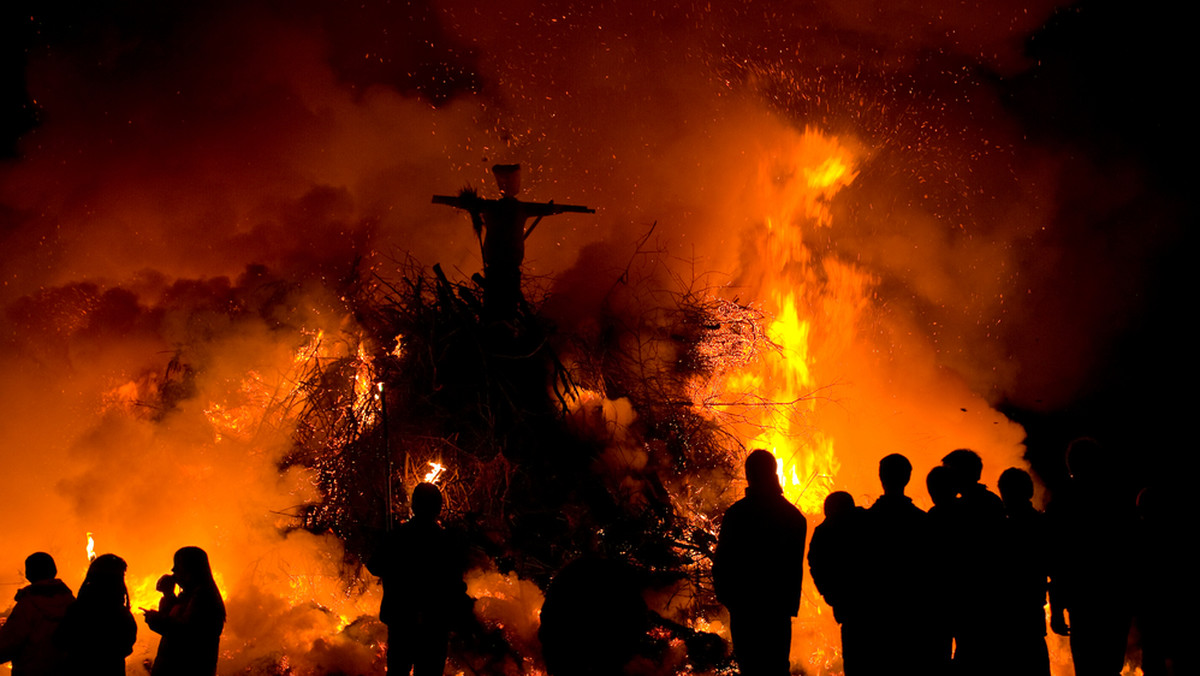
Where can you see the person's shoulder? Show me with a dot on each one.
(781, 510)
(45, 593)
(739, 506)
(792, 510)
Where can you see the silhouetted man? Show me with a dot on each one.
(421, 568)
(945, 572)
(758, 569)
(501, 224)
(1025, 571)
(27, 637)
(836, 562)
(1092, 524)
(899, 584)
(977, 552)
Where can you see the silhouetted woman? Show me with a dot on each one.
(190, 622)
(98, 631)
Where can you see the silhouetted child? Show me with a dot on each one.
(1026, 569)
(758, 568)
(191, 621)
(99, 631)
(422, 573)
(836, 562)
(1092, 524)
(27, 637)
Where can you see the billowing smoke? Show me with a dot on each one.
(205, 183)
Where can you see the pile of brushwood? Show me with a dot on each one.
(503, 406)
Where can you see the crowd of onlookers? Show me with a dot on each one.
(958, 590)
(961, 589)
(52, 632)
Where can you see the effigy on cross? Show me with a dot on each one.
(500, 225)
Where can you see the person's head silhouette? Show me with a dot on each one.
(40, 566)
(940, 485)
(894, 472)
(838, 503)
(762, 471)
(426, 502)
(1016, 487)
(965, 468)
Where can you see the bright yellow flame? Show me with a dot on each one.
(795, 192)
(91, 547)
(435, 473)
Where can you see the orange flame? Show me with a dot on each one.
(435, 473)
(795, 190)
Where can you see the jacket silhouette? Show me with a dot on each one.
(978, 553)
(1091, 523)
(421, 569)
(27, 637)
(758, 569)
(899, 626)
(1025, 570)
(835, 561)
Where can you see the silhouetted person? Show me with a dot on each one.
(191, 621)
(758, 568)
(900, 625)
(1092, 524)
(27, 637)
(836, 562)
(1025, 570)
(1167, 593)
(944, 522)
(593, 618)
(99, 631)
(501, 224)
(940, 485)
(975, 554)
(422, 573)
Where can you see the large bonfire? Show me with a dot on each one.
(234, 320)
